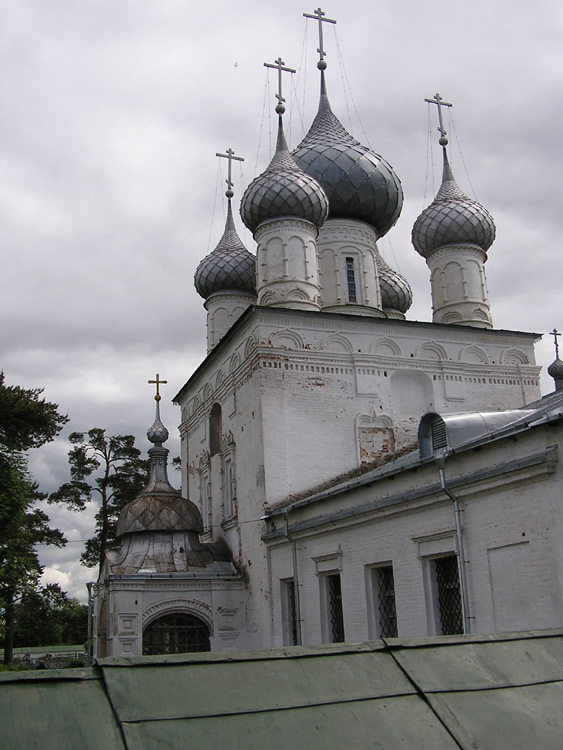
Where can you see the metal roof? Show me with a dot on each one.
(459, 692)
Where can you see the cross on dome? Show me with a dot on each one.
(158, 382)
(319, 16)
(440, 103)
(279, 64)
(230, 156)
(555, 333)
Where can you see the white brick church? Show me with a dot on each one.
(351, 474)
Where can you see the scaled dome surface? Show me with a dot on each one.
(283, 190)
(396, 293)
(452, 219)
(230, 267)
(359, 183)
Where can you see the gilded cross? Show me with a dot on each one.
(279, 64)
(230, 156)
(318, 14)
(555, 333)
(440, 103)
(157, 382)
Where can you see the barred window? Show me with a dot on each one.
(176, 634)
(334, 608)
(450, 609)
(384, 591)
(351, 280)
(289, 612)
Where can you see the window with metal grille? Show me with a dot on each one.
(351, 280)
(449, 595)
(176, 634)
(289, 614)
(385, 594)
(334, 606)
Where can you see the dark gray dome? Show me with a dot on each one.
(452, 219)
(359, 183)
(555, 369)
(230, 267)
(283, 190)
(396, 293)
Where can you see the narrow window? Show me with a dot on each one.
(450, 610)
(228, 487)
(289, 612)
(215, 429)
(334, 608)
(384, 596)
(351, 280)
(205, 499)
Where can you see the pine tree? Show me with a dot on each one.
(26, 421)
(107, 470)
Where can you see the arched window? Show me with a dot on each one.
(176, 633)
(215, 428)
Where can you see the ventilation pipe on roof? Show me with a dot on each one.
(440, 459)
(295, 579)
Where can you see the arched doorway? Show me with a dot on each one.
(176, 633)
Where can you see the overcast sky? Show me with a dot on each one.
(111, 112)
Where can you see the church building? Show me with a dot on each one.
(347, 473)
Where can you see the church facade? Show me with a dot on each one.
(351, 474)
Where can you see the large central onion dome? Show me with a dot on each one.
(230, 267)
(359, 183)
(452, 219)
(283, 191)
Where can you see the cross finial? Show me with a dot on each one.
(555, 333)
(157, 382)
(440, 103)
(279, 64)
(229, 155)
(318, 14)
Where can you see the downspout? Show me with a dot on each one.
(295, 578)
(89, 652)
(440, 459)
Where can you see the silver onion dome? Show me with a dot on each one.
(283, 190)
(230, 267)
(359, 183)
(555, 369)
(452, 219)
(396, 293)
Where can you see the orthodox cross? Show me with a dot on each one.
(555, 333)
(230, 155)
(279, 64)
(440, 103)
(318, 14)
(157, 382)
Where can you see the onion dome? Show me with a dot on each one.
(452, 219)
(283, 191)
(359, 183)
(555, 369)
(230, 267)
(396, 293)
(159, 507)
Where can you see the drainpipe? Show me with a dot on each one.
(295, 578)
(89, 652)
(440, 459)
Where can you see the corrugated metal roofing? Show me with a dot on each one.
(466, 692)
